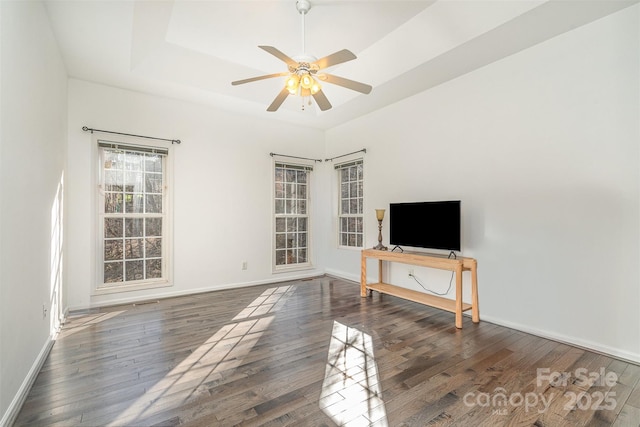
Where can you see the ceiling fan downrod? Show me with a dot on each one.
(303, 7)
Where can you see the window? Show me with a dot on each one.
(132, 215)
(291, 216)
(350, 218)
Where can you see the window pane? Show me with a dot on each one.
(133, 182)
(133, 227)
(113, 180)
(353, 174)
(353, 189)
(113, 159)
(112, 272)
(302, 256)
(153, 163)
(280, 257)
(290, 191)
(302, 240)
(353, 206)
(359, 242)
(113, 250)
(302, 192)
(281, 241)
(280, 225)
(302, 177)
(112, 227)
(279, 190)
(291, 240)
(292, 224)
(153, 248)
(113, 203)
(344, 191)
(133, 248)
(302, 207)
(290, 176)
(153, 226)
(133, 203)
(154, 268)
(291, 256)
(135, 270)
(302, 224)
(153, 204)
(153, 183)
(279, 176)
(279, 206)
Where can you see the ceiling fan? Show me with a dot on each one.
(303, 74)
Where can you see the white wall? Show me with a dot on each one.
(542, 149)
(32, 154)
(222, 181)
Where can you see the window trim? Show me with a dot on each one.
(291, 267)
(348, 163)
(132, 144)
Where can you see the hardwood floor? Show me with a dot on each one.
(313, 353)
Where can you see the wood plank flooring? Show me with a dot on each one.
(314, 353)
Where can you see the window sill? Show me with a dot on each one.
(303, 267)
(116, 289)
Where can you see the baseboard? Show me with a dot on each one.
(10, 415)
(130, 300)
(576, 342)
(343, 275)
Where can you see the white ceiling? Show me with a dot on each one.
(192, 50)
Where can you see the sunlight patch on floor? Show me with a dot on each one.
(223, 351)
(87, 321)
(351, 392)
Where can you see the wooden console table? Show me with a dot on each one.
(425, 260)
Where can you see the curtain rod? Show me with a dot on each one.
(364, 150)
(173, 141)
(294, 157)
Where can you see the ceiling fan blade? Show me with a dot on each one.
(254, 79)
(281, 56)
(279, 100)
(349, 84)
(339, 57)
(322, 101)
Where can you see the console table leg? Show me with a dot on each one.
(459, 297)
(475, 309)
(363, 276)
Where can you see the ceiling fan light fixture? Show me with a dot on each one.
(306, 81)
(292, 83)
(315, 87)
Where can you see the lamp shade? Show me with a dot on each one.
(379, 214)
(292, 83)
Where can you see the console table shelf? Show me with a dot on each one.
(425, 260)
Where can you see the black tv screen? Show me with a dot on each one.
(432, 225)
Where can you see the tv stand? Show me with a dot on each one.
(425, 260)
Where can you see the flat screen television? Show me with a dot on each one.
(432, 225)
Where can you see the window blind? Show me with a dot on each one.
(136, 148)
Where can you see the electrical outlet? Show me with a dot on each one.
(244, 265)
(410, 272)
